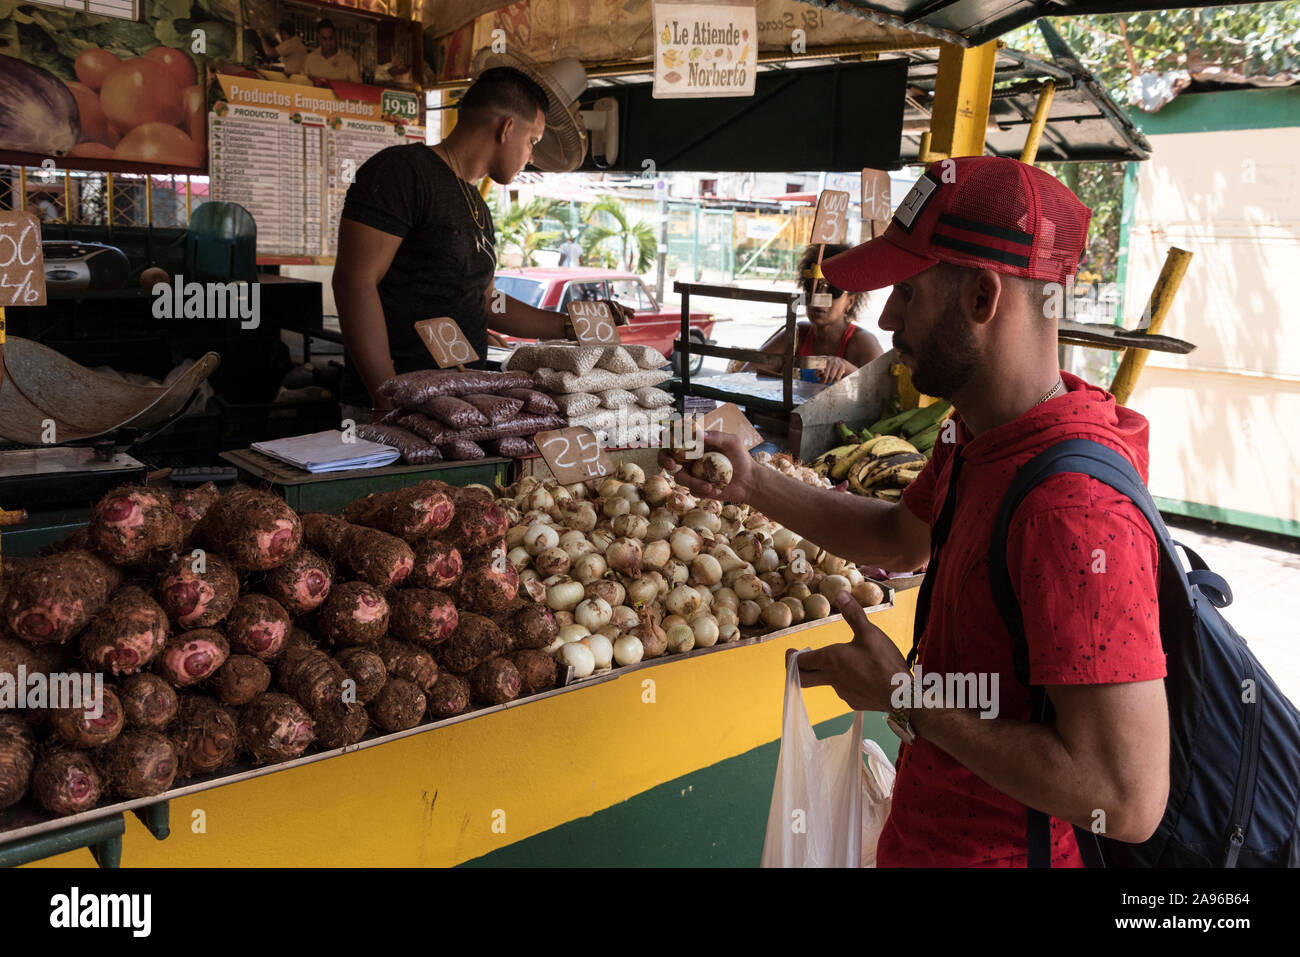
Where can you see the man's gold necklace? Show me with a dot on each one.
(460, 181)
(1052, 392)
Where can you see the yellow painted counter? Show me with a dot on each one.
(455, 793)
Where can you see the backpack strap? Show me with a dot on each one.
(1104, 464)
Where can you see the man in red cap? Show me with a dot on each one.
(979, 255)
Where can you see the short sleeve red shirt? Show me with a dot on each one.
(1083, 562)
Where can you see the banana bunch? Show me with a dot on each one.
(888, 455)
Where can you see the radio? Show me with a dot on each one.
(74, 266)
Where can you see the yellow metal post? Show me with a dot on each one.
(1030, 152)
(67, 197)
(963, 90)
(148, 199)
(1162, 297)
(109, 205)
(22, 187)
(189, 198)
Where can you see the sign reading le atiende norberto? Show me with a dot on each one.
(704, 49)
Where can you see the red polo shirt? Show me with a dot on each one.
(1083, 561)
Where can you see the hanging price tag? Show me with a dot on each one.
(593, 323)
(22, 263)
(831, 224)
(728, 418)
(875, 195)
(573, 454)
(445, 342)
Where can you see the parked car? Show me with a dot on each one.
(555, 288)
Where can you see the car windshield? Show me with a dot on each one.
(527, 291)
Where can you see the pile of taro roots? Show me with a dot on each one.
(229, 627)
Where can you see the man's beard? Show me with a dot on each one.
(947, 359)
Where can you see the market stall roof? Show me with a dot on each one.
(973, 22)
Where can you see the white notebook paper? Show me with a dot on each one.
(327, 452)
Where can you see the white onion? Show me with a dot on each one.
(539, 499)
(573, 632)
(518, 557)
(615, 506)
(553, 561)
(592, 613)
(748, 587)
(579, 657)
(631, 526)
(589, 567)
(629, 492)
(656, 554)
(797, 613)
(642, 590)
(749, 613)
(726, 598)
(624, 618)
(676, 573)
(698, 518)
(628, 650)
(686, 543)
(540, 537)
(608, 486)
(565, 594)
(657, 487)
(816, 606)
(832, 585)
(623, 555)
(607, 588)
(681, 638)
(706, 631)
(602, 649)
(515, 535)
(631, 472)
(683, 600)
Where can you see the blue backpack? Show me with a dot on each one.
(1234, 762)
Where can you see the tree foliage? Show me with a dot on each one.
(611, 234)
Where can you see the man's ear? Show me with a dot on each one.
(984, 290)
(504, 128)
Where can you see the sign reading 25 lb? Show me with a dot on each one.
(593, 323)
(573, 454)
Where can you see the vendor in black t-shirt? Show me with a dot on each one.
(416, 239)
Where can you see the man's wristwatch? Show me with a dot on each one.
(900, 719)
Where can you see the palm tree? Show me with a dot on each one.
(635, 244)
(522, 226)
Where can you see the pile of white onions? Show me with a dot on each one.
(788, 466)
(635, 567)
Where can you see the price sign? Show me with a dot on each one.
(593, 323)
(831, 224)
(728, 418)
(573, 454)
(875, 195)
(445, 342)
(22, 265)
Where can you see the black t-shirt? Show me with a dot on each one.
(445, 262)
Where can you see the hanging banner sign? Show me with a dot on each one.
(704, 49)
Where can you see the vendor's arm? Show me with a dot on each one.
(865, 530)
(514, 318)
(364, 255)
(863, 347)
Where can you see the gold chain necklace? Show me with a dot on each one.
(460, 182)
(1051, 393)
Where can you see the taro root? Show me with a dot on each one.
(422, 615)
(475, 640)
(198, 598)
(537, 670)
(407, 661)
(366, 669)
(495, 681)
(275, 728)
(66, 781)
(206, 736)
(258, 625)
(409, 513)
(478, 521)
(354, 614)
(302, 583)
(298, 645)
(241, 679)
(315, 681)
(256, 530)
(341, 725)
(56, 596)
(131, 521)
(148, 701)
(490, 582)
(140, 764)
(190, 505)
(449, 697)
(400, 705)
(375, 557)
(17, 759)
(80, 726)
(127, 634)
(192, 656)
(530, 625)
(438, 564)
(15, 654)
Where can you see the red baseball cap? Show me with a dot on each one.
(989, 212)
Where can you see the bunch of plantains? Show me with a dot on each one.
(886, 456)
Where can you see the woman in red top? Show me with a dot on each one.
(830, 331)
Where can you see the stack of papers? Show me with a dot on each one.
(327, 452)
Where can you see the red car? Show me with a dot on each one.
(554, 288)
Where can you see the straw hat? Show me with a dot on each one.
(564, 144)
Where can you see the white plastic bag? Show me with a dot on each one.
(877, 791)
(816, 815)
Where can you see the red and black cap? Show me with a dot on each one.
(987, 212)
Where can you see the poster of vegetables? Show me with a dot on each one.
(100, 88)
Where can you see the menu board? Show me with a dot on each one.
(287, 153)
